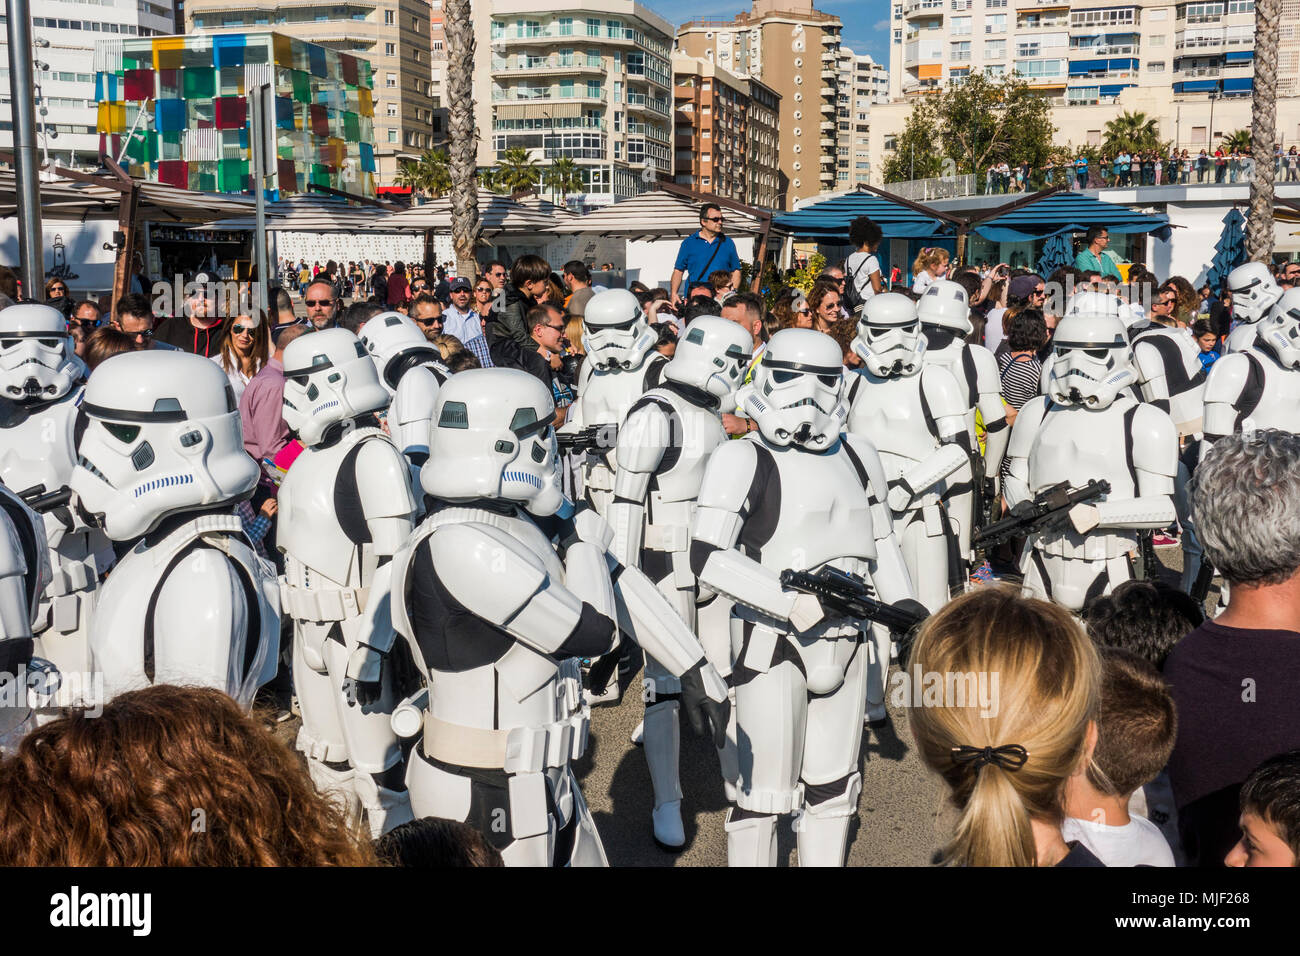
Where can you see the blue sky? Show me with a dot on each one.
(866, 22)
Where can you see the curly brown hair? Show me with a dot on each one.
(126, 789)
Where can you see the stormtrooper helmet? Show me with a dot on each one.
(162, 436)
(1279, 332)
(396, 344)
(23, 540)
(1253, 290)
(796, 396)
(946, 305)
(615, 333)
(37, 360)
(492, 437)
(889, 339)
(712, 355)
(1091, 361)
(329, 377)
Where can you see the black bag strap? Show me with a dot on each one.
(717, 245)
(346, 494)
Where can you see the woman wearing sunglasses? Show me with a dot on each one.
(245, 348)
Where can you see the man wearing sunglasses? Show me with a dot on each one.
(197, 329)
(135, 318)
(463, 321)
(322, 303)
(704, 252)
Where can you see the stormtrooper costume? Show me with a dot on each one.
(1088, 426)
(621, 366)
(161, 462)
(496, 619)
(1169, 375)
(41, 381)
(411, 370)
(1254, 293)
(345, 508)
(1259, 387)
(944, 313)
(796, 494)
(24, 575)
(915, 414)
(662, 451)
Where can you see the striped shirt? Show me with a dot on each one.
(1021, 381)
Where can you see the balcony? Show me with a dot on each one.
(540, 66)
(1042, 4)
(639, 101)
(552, 93)
(923, 8)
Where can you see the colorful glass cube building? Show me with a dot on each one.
(178, 104)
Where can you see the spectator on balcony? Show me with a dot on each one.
(1157, 169)
(1081, 170)
(1292, 165)
(1220, 165)
(1202, 166)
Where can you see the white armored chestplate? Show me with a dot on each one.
(1242, 337)
(888, 412)
(1075, 444)
(606, 397)
(1187, 406)
(118, 629)
(308, 529)
(522, 688)
(40, 449)
(825, 514)
(700, 433)
(950, 357)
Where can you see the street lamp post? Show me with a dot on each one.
(22, 96)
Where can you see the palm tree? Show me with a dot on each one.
(563, 177)
(489, 178)
(466, 227)
(1238, 141)
(1132, 133)
(429, 175)
(518, 170)
(1263, 130)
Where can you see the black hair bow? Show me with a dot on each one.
(1008, 756)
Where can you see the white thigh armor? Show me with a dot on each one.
(195, 605)
(1131, 445)
(605, 398)
(1170, 375)
(411, 412)
(37, 448)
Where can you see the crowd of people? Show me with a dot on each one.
(426, 443)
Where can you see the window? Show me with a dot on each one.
(995, 69)
(707, 134)
(390, 49)
(1157, 40)
(618, 149)
(618, 91)
(961, 26)
(566, 88)
(415, 24)
(390, 18)
(593, 89)
(392, 136)
(566, 26)
(960, 51)
(995, 23)
(392, 109)
(390, 80)
(995, 4)
(1156, 67)
(1241, 6)
(593, 26)
(593, 58)
(995, 49)
(618, 121)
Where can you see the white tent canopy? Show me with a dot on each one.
(654, 215)
(72, 200)
(499, 214)
(312, 212)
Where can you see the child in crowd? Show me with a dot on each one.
(1208, 342)
(1270, 815)
(931, 263)
(1135, 735)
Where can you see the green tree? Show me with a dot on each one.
(804, 278)
(1132, 133)
(430, 174)
(518, 170)
(916, 154)
(563, 177)
(1238, 141)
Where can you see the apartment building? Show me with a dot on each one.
(794, 49)
(67, 131)
(725, 132)
(394, 35)
(590, 80)
(1089, 52)
(863, 82)
(438, 72)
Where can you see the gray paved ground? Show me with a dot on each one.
(903, 819)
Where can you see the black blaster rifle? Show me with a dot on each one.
(42, 501)
(847, 595)
(1047, 510)
(597, 438)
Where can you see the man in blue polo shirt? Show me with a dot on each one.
(705, 252)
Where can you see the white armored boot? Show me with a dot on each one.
(822, 831)
(385, 808)
(662, 742)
